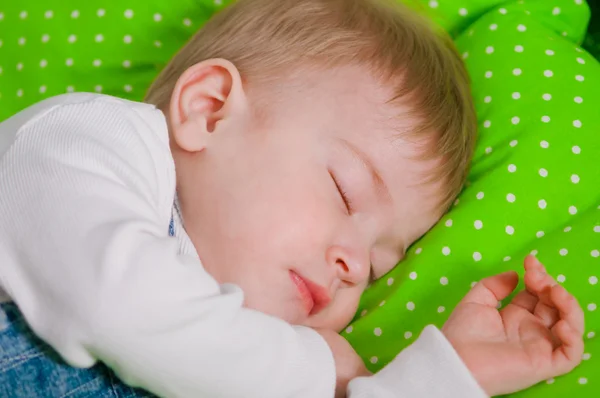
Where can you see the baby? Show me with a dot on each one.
(211, 241)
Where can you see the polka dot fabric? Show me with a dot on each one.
(533, 187)
(534, 183)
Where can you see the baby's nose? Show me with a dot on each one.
(351, 266)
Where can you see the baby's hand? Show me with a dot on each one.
(537, 336)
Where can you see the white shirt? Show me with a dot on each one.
(87, 184)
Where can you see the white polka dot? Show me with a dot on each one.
(187, 22)
(579, 78)
(127, 39)
(69, 62)
(445, 250)
(542, 204)
(419, 250)
(377, 331)
(487, 99)
(575, 179)
(579, 2)
(463, 12)
(488, 150)
(390, 281)
(547, 97)
(578, 100)
(591, 307)
(512, 168)
(48, 14)
(97, 63)
(489, 49)
(548, 73)
(488, 74)
(20, 92)
(516, 95)
(521, 28)
(567, 229)
(543, 172)
(70, 89)
(556, 11)
(586, 356)
(502, 11)
(448, 223)
(511, 198)
(517, 71)
(534, 252)
(519, 48)
(595, 253)
(157, 17)
(19, 66)
(363, 313)
(487, 124)
(45, 38)
(509, 229)
(515, 120)
(480, 195)
(43, 63)
(550, 381)
(539, 234)
(478, 224)
(21, 41)
(507, 258)
(582, 380)
(441, 309)
(561, 278)
(127, 88)
(433, 4)
(349, 329)
(157, 43)
(593, 280)
(373, 360)
(549, 52)
(493, 26)
(477, 256)
(545, 119)
(465, 55)
(563, 252)
(591, 335)
(1, 16)
(99, 38)
(128, 14)
(544, 144)
(565, 34)
(444, 280)
(75, 14)
(72, 38)
(410, 306)
(126, 63)
(101, 12)
(576, 150)
(581, 61)
(412, 275)
(98, 89)
(577, 123)
(23, 14)
(407, 335)
(572, 210)
(597, 229)
(43, 89)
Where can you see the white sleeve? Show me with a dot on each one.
(428, 368)
(85, 254)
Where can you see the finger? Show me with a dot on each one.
(569, 354)
(537, 280)
(492, 289)
(525, 300)
(549, 315)
(568, 307)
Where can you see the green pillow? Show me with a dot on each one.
(531, 186)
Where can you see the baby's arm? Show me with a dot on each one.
(86, 256)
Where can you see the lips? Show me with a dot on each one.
(313, 296)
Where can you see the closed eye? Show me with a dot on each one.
(342, 193)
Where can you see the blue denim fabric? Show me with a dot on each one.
(29, 368)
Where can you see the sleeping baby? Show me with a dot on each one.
(212, 241)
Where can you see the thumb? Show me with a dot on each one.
(492, 289)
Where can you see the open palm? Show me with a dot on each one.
(537, 336)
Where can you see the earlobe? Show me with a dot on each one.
(206, 95)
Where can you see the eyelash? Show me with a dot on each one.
(343, 194)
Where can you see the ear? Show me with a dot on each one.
(205, 96)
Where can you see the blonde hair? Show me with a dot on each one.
(266, 38)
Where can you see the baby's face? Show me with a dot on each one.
(301, 211)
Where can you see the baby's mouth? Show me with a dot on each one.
(314, 297)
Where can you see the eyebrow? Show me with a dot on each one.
(381, 189)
